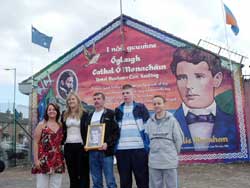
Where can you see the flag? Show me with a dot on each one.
(40, 38)
(230, 20)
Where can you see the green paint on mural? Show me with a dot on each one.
(225, 101)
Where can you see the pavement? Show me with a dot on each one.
(235, 175)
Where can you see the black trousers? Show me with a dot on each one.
(77, 161)
(136, 161)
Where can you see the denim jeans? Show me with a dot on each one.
(98, 164)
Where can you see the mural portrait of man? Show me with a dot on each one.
(67, 82)
(205, 125)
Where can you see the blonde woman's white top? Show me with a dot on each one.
(73, 130)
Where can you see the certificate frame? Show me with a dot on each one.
(95, 136)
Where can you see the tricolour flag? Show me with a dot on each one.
(230, 20)
(40, 38)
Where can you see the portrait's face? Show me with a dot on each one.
(196, 84)
(95, 136)
(66, 82)
(127, 95)
(98, 101)
(72, 101)
(51, 111)
(159, 105)
(69, 83)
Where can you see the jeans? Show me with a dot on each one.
(100, 163)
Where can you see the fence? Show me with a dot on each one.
(15, 137)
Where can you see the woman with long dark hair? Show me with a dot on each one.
(48, 156)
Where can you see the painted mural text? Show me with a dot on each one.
(129, 77)
(120, 60)
(132, 47)
(206, 140)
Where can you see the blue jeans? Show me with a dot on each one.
(98, 164)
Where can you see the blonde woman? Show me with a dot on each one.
(48, 157)
(74, 121)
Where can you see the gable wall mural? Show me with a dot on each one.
(193, 88)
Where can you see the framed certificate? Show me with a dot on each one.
(95, 136)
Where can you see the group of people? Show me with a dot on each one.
(129, 133)
(145, 146)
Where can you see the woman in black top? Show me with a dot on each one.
(74, 121)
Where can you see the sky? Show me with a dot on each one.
(70, 22)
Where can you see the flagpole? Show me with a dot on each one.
(121, 27)
(31, 96)
(226, 36)
(44, 41)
